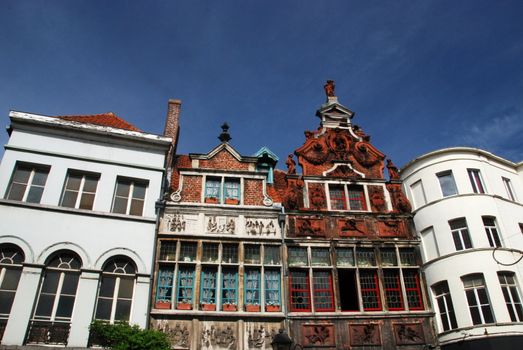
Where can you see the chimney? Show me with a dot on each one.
(172, 126)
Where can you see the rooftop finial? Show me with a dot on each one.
(329, 88)
(224, 136)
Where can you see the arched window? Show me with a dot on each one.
(55, 303)
(115, 297)
(11, 258)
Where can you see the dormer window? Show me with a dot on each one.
(340, 193)
(222, 190)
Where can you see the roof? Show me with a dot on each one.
(105, 119)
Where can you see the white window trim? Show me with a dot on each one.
(81, 189)
(509, 189)
(130, 195)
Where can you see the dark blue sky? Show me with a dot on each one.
(420, 75)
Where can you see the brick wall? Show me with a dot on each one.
(223, 160)
(192, 189)
(253, 192)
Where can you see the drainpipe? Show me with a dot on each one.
(281, 221)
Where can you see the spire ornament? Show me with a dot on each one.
(224, 136)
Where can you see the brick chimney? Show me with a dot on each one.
(172, 126)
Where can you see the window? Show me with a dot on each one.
(446, 181)
(210, 252)
(337, 197)
(229, 287)
(230, 253)
(492, 231)
(184, 295)
(299, 290)
(129, 196)
(323, 293)
(252, 254)
(298, 256)
(507, 280)
(79, 190)
(222, 190)
(477, 298)
(11, 259)
(272, 289)
(508, 188)
(27, 183)
(392, 286)
(445, 307)
(115, 296)
(418, 194)
(460, 234)
(370, 291)
(271, 255)
(430, 244)
(320, 257)
(475, 181)
(252, 286)
(58, 289)
(347, 197)
(208, 286)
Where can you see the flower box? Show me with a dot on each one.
(184, 306)
(252, 308)
(232, 201)
(208, 307)
(211, 200)
(229, 307)
(162, 305)
(272, 308)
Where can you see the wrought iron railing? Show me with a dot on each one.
(45, 332)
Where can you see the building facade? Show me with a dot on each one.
(77, 233)
(468, 212)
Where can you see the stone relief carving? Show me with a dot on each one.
(175, 222)
(259, 337)
(317, 196)
(178, 336)
(368, 334)
(400, 202)
(391, 227)
(393, 170)
(407, 334)
(291, 199)
(377, 198)
(221, 224)
(352, 227)
(260, 227)
(318, 335)
(310, 227)
(218, 337)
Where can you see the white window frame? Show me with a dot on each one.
(346, 194)
(476, 181)
(29, 185)
(461, 231)
(222, 190)
(418, 193)
(450, 175)
(447, 299)
(475, 288)
(508, 187)
(492, 232)
(510, 292)
(81, 190)
(130, 197)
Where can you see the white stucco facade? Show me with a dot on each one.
(472, 240)
(41, 230)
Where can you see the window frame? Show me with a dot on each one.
(10, 265)
(461, 234)
(492, 231)
(512, 295)
(475, 293)
(476, 181)
(509, 188)
(351, 193)
(33, 168)
(222, 190)
(417, 191)
(130, 199)
(81, 190)
(447, 191)
(445, 306)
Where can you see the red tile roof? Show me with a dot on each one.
(105, 119)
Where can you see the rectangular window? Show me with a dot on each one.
(446, 181)
(229, 287)
(348, 290)
(445, 307)
(213, 188)
(323, 294)
(252, 254)
(167, 250)
(164, 291)
(272, 287)
(230, 253)
(477, 298)
(221, 190)
(232, 190)
(418, 194)
(460, 234)
(507, 280)
(356, 198)
(27, 183)
(388, 257)
(79, 190)
(337, 197)
(412, 289)
(344, 257)
(210, 252)
(299, 290)
(430, 245)
(185, 286)
(492, 231)
(392, 286)
(252, 286)
(320, 257)
(208, 285)
(129, 196)
(365, 257)
(298, 256)
(188, 251)
(508, 188)
(271, 255)
(370, 290)
(475, 181)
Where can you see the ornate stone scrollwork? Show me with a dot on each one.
(176, 196)
(259, 337)
(222, 224)
(317, 196)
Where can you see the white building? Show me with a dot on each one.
(468, 206)
(78, 225)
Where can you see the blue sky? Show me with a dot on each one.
(420, 75)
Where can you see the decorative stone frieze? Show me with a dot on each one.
(220, 224)
(218, 335)
(261, 227)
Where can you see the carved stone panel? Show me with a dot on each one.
(399, 201)
(364, 334)
(377, 199)
(318, 335)
(218, 335)
(352, 228)
(261, 227)
(259, 335)
(179, 223)
(409, 333)
(179, 333)
(317, 198)
(391, 228)
(310, 227)
(220, 224)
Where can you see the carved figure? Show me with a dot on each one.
(176, 223)
(409, 334)
(228, 226)
(393, 170)
(377, 198)
(177, 336)
(317, 198)
(309, 227)
(399, 201)
(351, 225)
(291, 200)
(320, 335)
(257, 338)
(291, 165)
(329, 88)
(258, 227)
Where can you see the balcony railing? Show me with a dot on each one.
(45, 332)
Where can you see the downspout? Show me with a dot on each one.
(281, 221)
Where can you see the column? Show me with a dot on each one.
(141, 300)
(84, 306)
(22, 305)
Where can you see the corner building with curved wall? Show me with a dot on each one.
(468, 213)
